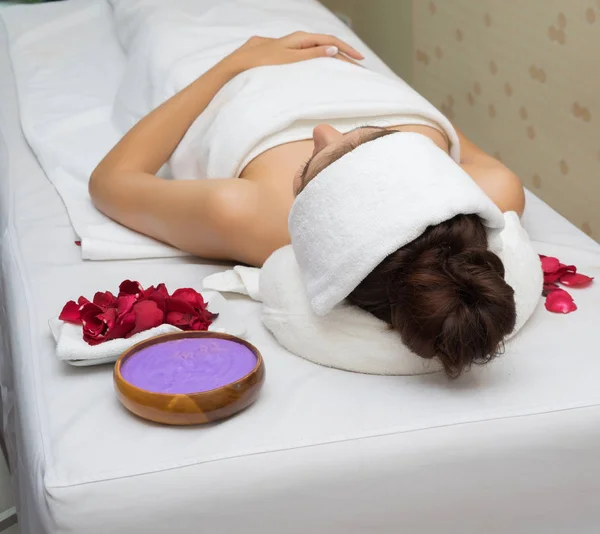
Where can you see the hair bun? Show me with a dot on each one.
(474, 271)
(445, 294)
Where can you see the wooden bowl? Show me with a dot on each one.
(189, 408)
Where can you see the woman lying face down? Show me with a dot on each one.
(443, 291)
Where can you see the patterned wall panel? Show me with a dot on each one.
(522, 79)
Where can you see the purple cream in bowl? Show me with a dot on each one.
(188, 365)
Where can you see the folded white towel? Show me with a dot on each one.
(352, 339)
(71, 347)
(241, 279)
(371, 202)
(65, 101)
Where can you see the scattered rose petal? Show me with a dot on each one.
(191, 296)
(70, 313)
(548, 288)
(135, 310)
(109, 317)
(130, 287)
(94, 331)
(89, 310)
(179, 313)
(157, 294)
(559, 301)
(568, 268)
(160, 289)
(123, 326)
(78, 243)
(147, 315)
(576, 280)
(550, 278)
(105, 299)
(549, 264)
(553, 277)
(125, 304)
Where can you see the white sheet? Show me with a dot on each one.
(509, 448)
(67, 117)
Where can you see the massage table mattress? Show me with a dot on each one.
(512, 447)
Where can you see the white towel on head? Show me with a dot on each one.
(371, 202)
(354, 340)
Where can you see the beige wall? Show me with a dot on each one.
(385, 25)
(520, 77)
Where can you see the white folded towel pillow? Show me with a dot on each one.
(373, 201)
(352, 339)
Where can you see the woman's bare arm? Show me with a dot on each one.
(497, 181)
(124, 185)
(221, 219)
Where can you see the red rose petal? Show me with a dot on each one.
(550, 278)
(158, 294)
(208, 316)
(547, 288)
(200, 324)
(160, 289)
(93, 329)
(78, 243)
(130, 287)
(123, 326)
(179, 319)
(70, 313)
(549, 264)
(180, 313)
(125, 304)
(136, 310)
(567, 268)
(89, 311)
(576, 280)
(105, 299)
(191, 296)
(557, 275)
(147, 315)
(559, 301)
(179, 305)
(109, 317)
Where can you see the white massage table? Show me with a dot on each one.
(513, 447)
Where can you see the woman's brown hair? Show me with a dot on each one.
(445, 294)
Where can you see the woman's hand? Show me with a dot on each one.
(298, 46)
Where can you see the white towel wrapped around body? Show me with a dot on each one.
(352, 339)
(169, 44)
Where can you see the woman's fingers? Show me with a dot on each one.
(317, 51)
(309, 40)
